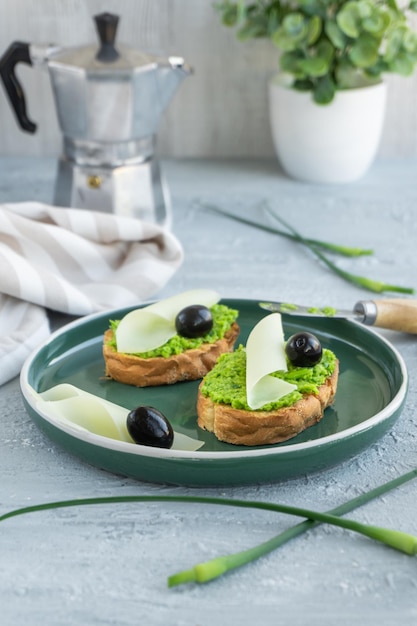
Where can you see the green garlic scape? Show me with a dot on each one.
(366, 283)
(325, 245)
(316, 247)
(327, 45)
(203, 572)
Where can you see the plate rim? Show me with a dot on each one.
(201, 455)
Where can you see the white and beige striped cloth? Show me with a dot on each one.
(76, 262)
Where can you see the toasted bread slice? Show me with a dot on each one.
(188, 365)
(256, 428)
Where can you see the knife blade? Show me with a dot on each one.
(391, 313)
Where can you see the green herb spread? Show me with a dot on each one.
(223, 318)
(287, 306)
(226, 382)
(328, 311)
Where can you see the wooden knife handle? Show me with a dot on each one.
(397, 314)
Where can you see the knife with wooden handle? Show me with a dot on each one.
(392, 313)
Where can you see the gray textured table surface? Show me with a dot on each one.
(108, 565)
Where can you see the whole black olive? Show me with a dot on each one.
(304, 350)
(194, 321)
(149, 427)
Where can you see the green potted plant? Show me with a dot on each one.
(333, 55)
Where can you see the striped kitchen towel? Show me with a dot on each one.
(73, 261)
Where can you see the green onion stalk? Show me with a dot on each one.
(366, 283)
(204, 572)
(316, 246)
(326, 245)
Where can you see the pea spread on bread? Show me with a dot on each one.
(173, 340)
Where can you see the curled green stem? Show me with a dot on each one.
(366, 283)
(331, 247)
(212, 569)
(316, 246)
(203, 572)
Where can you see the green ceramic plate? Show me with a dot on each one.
(371, 393)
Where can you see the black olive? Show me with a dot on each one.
(304, 350)
(149, 427)
(194, 321)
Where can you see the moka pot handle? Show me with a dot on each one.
(17, 52)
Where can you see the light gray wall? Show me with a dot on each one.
(220, 111)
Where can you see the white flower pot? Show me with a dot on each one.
(333, 143)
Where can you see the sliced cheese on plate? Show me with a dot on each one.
(68, 405)
(148, 328)
(265, 354)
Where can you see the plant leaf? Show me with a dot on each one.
(324, 90)
(295, 25)
(335, 34)
(290, 62)
(349, 19)
(314, 66)
(377, 23)
(364, 52)
(314, 28)
(402, 65)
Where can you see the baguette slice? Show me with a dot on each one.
(257, 428)
(188, 365)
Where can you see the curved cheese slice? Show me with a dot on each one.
(265, 354)
(74, 407)
(149, 328)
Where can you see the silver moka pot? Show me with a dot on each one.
(109, 101)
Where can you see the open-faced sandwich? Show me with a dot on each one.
(179, 338)
(269, 391)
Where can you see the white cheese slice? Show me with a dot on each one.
(265, 354)
(79, 409)
(152, 326)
